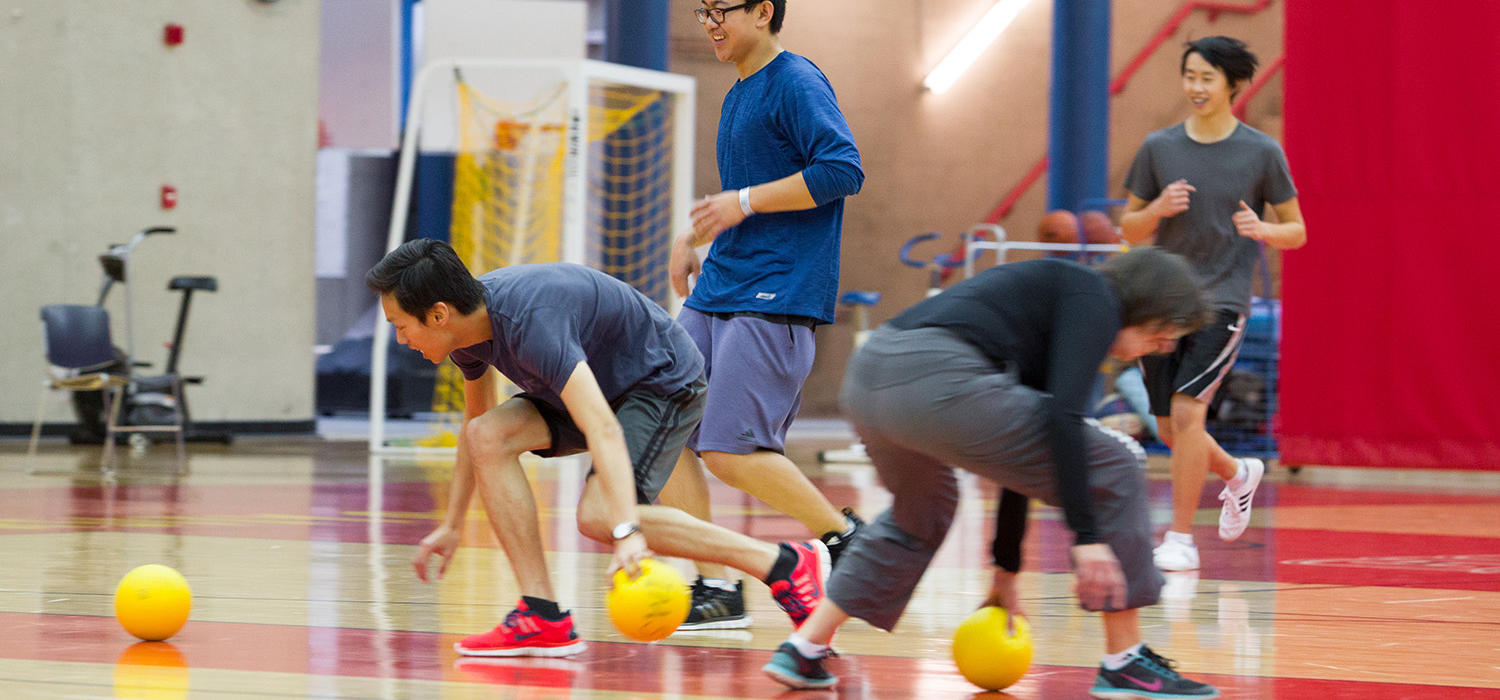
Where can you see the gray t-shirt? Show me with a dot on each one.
(1249, 166)
(546, 318)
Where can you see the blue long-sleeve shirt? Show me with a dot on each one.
(781, 120)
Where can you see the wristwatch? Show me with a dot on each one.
(624, 530)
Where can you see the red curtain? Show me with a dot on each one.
(1391, 329)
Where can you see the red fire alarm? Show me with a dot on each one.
(168, 197)
(173, 35)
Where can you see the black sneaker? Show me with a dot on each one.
(790, 668)
(837, 541)
(1148, 676)
(714, 608)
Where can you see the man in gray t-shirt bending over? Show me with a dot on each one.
(604, 370)
(1200, 187)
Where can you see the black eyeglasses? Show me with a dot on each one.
(703, 13)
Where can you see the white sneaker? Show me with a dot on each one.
(1234, 516)
(1175, 556)
(1177, 593)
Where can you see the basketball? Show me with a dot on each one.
(1098, 228)
(152, 602)
(1058, 226)
(985, 655)
(651, 606)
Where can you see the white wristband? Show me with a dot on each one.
(745, 201)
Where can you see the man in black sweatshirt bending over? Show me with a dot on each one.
(993, 376)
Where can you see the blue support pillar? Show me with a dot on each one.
(1078, 131)
(635, 33)
(407, 67)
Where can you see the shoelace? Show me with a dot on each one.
(790, 601)
(1164, 665)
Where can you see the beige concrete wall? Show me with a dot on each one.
(98, 114)
(943, 162)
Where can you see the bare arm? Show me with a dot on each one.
(717, 213)
(1138, 223)
(606, 441)
(1287, 234)
(479, 396)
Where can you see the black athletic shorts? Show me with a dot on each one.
(656, 429)
(1197, 366)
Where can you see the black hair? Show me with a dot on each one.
(1228, 55)
(423, 272)
(1156, 287)
(778, 14)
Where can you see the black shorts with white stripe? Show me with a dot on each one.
(1197, 366)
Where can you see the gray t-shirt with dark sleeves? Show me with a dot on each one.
(1248, 166)
(546, 318)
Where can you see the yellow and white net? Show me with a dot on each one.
(509, 199)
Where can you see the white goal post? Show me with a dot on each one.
(579, 76)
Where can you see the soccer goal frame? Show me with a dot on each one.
(579, 75)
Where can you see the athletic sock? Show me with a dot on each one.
(719, 583)
(849, 528)
(1238, 479)
(1115, 662)
(807, 649)
(1178, 537)
(541, 606)
(786, 561)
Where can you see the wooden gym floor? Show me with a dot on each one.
(1350, 584)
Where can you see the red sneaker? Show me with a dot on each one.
(524, 633)
(799, 593)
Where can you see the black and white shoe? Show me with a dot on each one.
(714, 608)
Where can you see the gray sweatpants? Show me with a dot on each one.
(924, 401)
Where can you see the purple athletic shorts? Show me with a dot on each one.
(755, 370)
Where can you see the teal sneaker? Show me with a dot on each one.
(1148, 675)
(790, 668)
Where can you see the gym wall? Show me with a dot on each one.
(101, 115)
(98, 115)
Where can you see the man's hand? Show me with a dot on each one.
(1248, 223)
(682, 264)
(1099, 582)
(628, 555)
(715, 213)
(1173, 200)
(1003, 594)
(442, 542)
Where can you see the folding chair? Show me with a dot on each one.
(80, 351)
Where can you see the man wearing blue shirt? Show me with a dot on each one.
(786, 162)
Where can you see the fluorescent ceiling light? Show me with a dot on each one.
(974, 43)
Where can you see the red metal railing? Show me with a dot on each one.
(1116, 86)
(1260, 81)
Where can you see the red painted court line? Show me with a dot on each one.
(1283, 495)
(1271, 494)
(1385, 559)
(612, 666)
